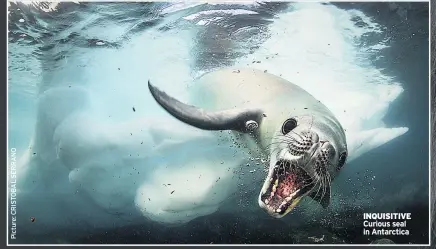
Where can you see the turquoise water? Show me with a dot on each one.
(77, 72)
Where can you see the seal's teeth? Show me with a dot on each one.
(278, 210)
(274, 188)
(266, 201)
(283, 204)
(272, 194)
(289, 198)
(296, 192)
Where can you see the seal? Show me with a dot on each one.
(304, 142)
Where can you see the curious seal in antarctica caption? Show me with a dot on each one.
(304, 142)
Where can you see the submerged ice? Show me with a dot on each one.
(94, 162)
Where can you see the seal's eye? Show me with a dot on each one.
(342, 159)
(289, 125)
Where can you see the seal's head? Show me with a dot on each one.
(306, 153)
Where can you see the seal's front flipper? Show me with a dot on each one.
(363, 141)
(242, 120)
(322, 196)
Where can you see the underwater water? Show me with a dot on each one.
(85, 126)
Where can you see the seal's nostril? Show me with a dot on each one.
(328, 149)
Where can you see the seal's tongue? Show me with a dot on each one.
(288, 185)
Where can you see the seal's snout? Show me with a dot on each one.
(299, 169)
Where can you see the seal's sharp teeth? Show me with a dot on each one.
(289, 198)
(278, 210)
(295, 193)
(274, 188)
(266, 201)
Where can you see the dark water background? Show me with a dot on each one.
(39, 45)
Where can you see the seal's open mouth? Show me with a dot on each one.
(288, 183)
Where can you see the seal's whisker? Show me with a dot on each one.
(324, 188)
(285, 138)
(280, 141)
(320, 185)
(311, 124)
(299, 135)
(312, 181)
(308, 184)
(274, 143)
(326, 183)
(329, 179)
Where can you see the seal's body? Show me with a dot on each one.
(304, 142)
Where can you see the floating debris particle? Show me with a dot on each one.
(32, 219)
(133, 108)
(172, 191)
